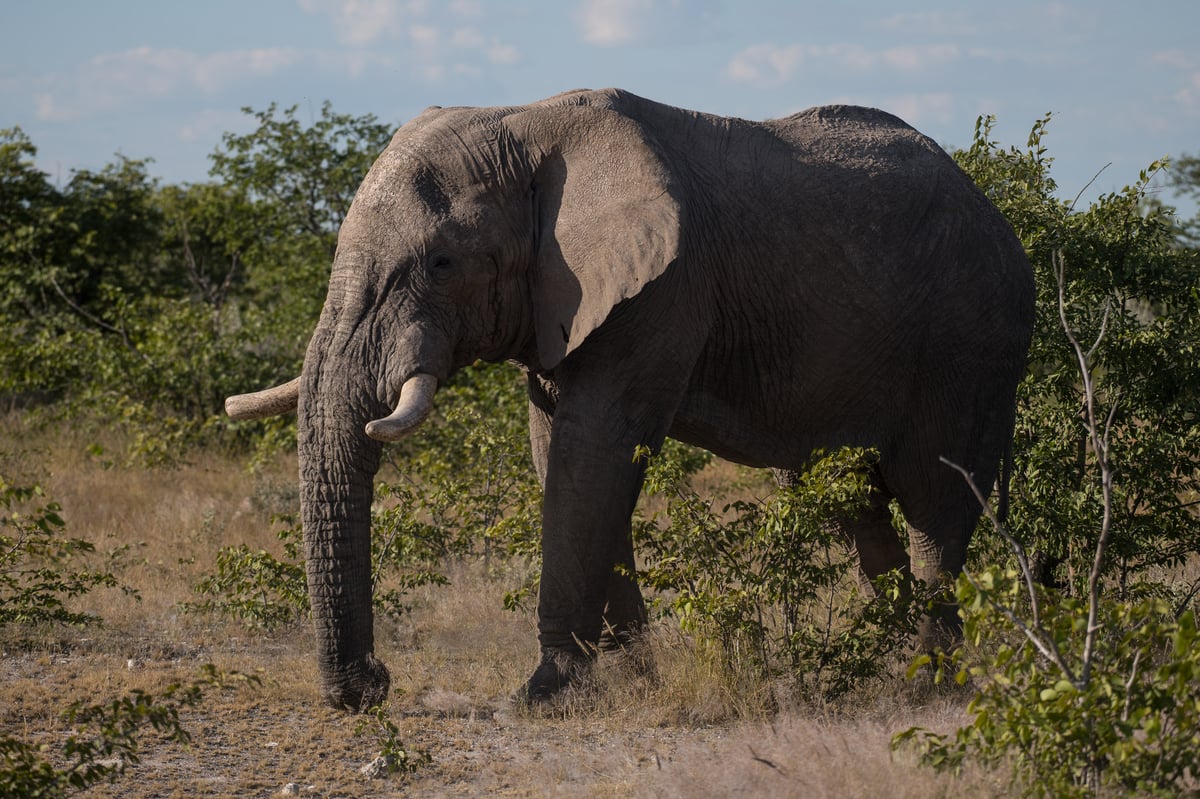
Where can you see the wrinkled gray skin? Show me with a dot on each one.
(760, 289)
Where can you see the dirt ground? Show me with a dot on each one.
(615, 739)
(455, 661)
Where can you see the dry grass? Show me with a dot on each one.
(675, 730)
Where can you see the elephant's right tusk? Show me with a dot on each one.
(414, 405)
(268, 402)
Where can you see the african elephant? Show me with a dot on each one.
(760, 289)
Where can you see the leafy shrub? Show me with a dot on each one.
(41, 571)
(771, 584)
(105, 739)
(465, 482)
(394, 755)
(1127, 279)
(262, 591)
(254, 587)
(155, 303)
(1091, 688)
(465, 479)
(1129, 722)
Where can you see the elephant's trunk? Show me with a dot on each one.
(414, 405)
(337, 470)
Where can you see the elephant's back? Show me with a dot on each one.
(866, 140)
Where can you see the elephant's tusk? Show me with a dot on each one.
(268, 402)
(415, 403)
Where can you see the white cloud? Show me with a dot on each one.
(1177, 59)
(436, 52)
(1189, 94)
(503, 54)
(931, 23)
(469, 38)
(213, 72)
(1187, 64)
(922, 109)
(424, 35)
(613, 22)
(113, 80)
(493, 49)
(209, 124)
(769, 63)
(466, 9)
(360, 22)
(920, 57)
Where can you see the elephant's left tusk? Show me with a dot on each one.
(261, 404)
(414, 405)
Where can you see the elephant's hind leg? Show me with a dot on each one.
(874, 539)
(868, 532)
(939, 533)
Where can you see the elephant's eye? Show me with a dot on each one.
(439, 262)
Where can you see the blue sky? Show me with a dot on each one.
(163, 79)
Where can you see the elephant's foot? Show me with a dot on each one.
(358, 687)
(940, 629)
(559, 668)
(628, 647)
(619, 637)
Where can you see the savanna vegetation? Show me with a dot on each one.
(152, 604)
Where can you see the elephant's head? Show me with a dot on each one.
(478, 234)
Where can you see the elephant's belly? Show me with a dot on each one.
(817, 389)
(754, 435)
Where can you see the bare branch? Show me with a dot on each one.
(1103, 330)
(1017, 549)
(1084, 371)
(189, 260)
(1100, 442)
(1109, 421)
(17, 544)
(754, 755)
(1034, 632)
(1071, 207)
(98, 322)
(1181, 606)
(223, 292)
(1133, 671)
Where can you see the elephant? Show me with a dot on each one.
(759, 289)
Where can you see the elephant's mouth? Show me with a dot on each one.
(412, 408)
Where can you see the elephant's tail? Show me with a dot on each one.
(1006, 470)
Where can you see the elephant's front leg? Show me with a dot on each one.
(625, 610)
(591, 486)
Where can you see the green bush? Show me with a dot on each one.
(155, 303)
(40, 570)
(396, 757)
(464, 488)
(104, 740)
(1091, 688)
(465, 484)
(1126, 277)
(254, 587)
(1128, 724)
(770, 584)
(262, 591)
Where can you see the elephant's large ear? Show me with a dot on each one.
(607, 215)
